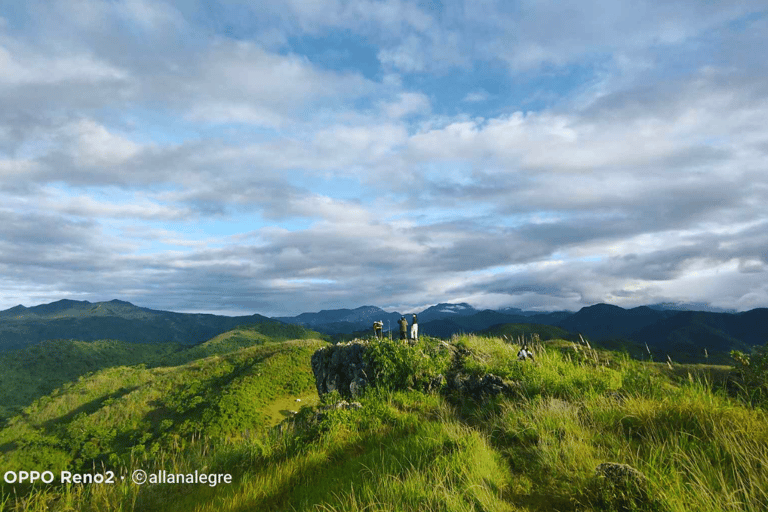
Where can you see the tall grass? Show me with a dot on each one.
(574, 409)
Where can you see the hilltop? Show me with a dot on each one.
(117, 320)
(669, 330)
(534, 439)
(29, 373)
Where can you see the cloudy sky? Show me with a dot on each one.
(279, 157)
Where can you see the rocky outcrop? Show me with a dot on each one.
(341, 368)
(622, 487)
(480, 387)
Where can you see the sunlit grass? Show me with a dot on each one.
(575, 407)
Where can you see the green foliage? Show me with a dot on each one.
(752, 375)
(399, 365)
(123, 412)
(33, 372)
(405, 449)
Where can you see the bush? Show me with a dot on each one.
(752, 374)
(396, 365)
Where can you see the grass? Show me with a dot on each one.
(699, 448)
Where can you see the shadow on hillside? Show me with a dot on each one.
(87, 408)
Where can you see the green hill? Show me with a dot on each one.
(32, 372)
(534, 447)
(117, 414)
(117, 320)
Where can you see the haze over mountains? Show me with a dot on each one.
(670, 328)
(82, 320)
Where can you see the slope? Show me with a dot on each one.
(29, 373)
(120, 413)
(535, 447)
(118, 320)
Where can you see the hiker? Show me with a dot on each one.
(377, 327)
(524, 354)
(403, 328)
(415, 328)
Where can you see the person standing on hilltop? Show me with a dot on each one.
(415, 328)
(403, 328)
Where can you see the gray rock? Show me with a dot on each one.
(479, 387)
(622, 487)
(341, 368)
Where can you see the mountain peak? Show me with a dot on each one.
(118, 301)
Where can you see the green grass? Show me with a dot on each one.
(35, 371)
(30, 373)
(699, 448)
(125, 412)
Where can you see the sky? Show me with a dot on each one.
(238, 157)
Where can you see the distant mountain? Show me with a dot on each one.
(444, 310)
(545, 332)
(605, 321)
(455, 317)
(336, 321)
(116, 320)
(714, 331)
(689, 335)
(689, 306)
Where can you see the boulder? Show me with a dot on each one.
(622, 487)
(479, 387)
(341, 368)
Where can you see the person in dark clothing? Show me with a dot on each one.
(415, 328)
(403, 328)
(377, 327)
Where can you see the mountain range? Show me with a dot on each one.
(670, 329)
(666, 328)
(82, 320)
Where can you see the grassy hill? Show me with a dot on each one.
(119, 320)
(32, 372)
(118, 414)
(535, 448)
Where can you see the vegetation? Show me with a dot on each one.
(30, 373)
(33, 372)
(752, 370)
(407, 448)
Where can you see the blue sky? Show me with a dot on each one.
(275, 158)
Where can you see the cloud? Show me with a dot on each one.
(407, 103)
(217, 155)
(477, 96)
(243, 83)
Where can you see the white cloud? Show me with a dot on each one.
(242, 82)
(477, 96)
(95, 146)
(24, 68)
(407, 103)
(643, 178)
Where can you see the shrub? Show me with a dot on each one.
(396, 365)
(752, 374)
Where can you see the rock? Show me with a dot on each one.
(622, 487)
(341, 368)
(616, 397)
(319, 413)
(480, 387)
